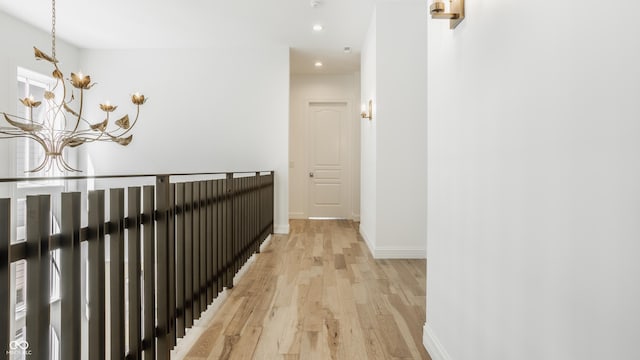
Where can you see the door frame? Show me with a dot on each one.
(349, 160)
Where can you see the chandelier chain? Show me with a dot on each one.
(53, 29)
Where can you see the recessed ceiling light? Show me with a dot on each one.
(314, 3)
(318, 64)
(317, 27)
(347, 49)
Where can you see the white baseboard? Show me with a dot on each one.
(433, 345)
(399, 253)
(365, 237)
(265, 243)
(355, 217)
(297, 215)
(390, 252)
(281, 229)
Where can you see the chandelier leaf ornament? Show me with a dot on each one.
(63, 124)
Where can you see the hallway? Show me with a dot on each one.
(318, 294)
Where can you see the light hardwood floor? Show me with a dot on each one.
(318, 294)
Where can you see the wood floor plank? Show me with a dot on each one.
(247, 342)
(319, 294)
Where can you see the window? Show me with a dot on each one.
(21, 280)
(54, 280)
(19, 297)
(29, 154)
(20, 336)
(21, 289)
(55, 345)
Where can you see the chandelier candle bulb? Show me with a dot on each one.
(30, 102)
(107, 107)
(138, 99)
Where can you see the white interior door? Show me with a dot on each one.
(328, 160)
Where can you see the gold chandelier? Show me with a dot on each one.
(63, 125)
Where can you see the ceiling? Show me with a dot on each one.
(211, 23)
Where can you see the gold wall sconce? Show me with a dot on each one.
(364, 113)
(455, 14)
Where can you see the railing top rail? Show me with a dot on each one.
(96, 177)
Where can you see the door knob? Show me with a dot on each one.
(310, 174)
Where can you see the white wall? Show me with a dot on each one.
(317, 88)
(402, 128)
(368, 207)
(208, 110)
(18, 40)
(394, 142)
(203, 102)
(534, 183)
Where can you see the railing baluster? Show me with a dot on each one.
(242, 221)
(209, 241)
(220, 234)
(271, 199)
(70, 295)
(254, 219)
(180, 255)
(203, 246)
(96, 275)
(258, 212)
(188, 254)
(196, 251)
(214, 238)
(116, 278)
(261, 217)
(228, 241)
(38, 273)
(134, 270)
(236, 217)
(164, 291)
(172, 266)
(149, 317)
(5, 272)
(246, 220)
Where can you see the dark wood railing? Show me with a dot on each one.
(184, 242)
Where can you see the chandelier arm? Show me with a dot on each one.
(58, 112)
(13, 133)
(11, 136)
(51, 119)
(62, 162)
(86, 139)
(22, 118)
(80, 111)
(60, 138)
(41, 166)
(22, 134)
(39, 141)
(114, 135)
(67, 167)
